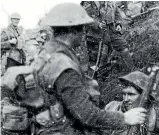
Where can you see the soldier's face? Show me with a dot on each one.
(15, 21)
(130, 97)
(43, 36)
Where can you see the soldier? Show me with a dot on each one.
(42, 37)
(9, 39)
(108, 17)
(66, 106)
(134, 85)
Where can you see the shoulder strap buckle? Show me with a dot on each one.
(30, 82)
(30, 85)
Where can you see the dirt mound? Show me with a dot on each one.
(143, 39)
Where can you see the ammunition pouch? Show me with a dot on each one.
(51, 121)
(14, 118)
(51, 117)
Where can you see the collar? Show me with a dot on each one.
(13, 27)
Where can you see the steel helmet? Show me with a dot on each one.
(15, 15)
(136, 78)
(67, 14)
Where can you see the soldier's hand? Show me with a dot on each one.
(9, 78)
(13, 41)
(102, 25)
(135, 116)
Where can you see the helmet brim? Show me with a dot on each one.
(67, 15)
(127, 83)
(48, 21)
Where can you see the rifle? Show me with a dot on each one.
(135, 130)
(99, 54)
(142, 16)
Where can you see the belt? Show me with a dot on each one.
(55, 124)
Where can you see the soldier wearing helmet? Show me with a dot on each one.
(9, 39)
(133, 86)
(9, 36)
(67, 106)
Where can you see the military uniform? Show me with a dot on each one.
(110, 14)
(73, 115)
(7, 34)
(153, 114)
(63, 79)
(55, 87)
(8, 49)
(65, 105)
(138, 79)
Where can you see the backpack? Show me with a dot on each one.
(14, 117)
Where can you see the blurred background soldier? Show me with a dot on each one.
(42, 37)
(94, 32)
(108, 18)
(10, 40)
(134, 85)
(61, 99)
(131, 8)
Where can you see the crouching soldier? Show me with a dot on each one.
(135, 84)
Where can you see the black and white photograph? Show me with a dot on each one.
(79, 67)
